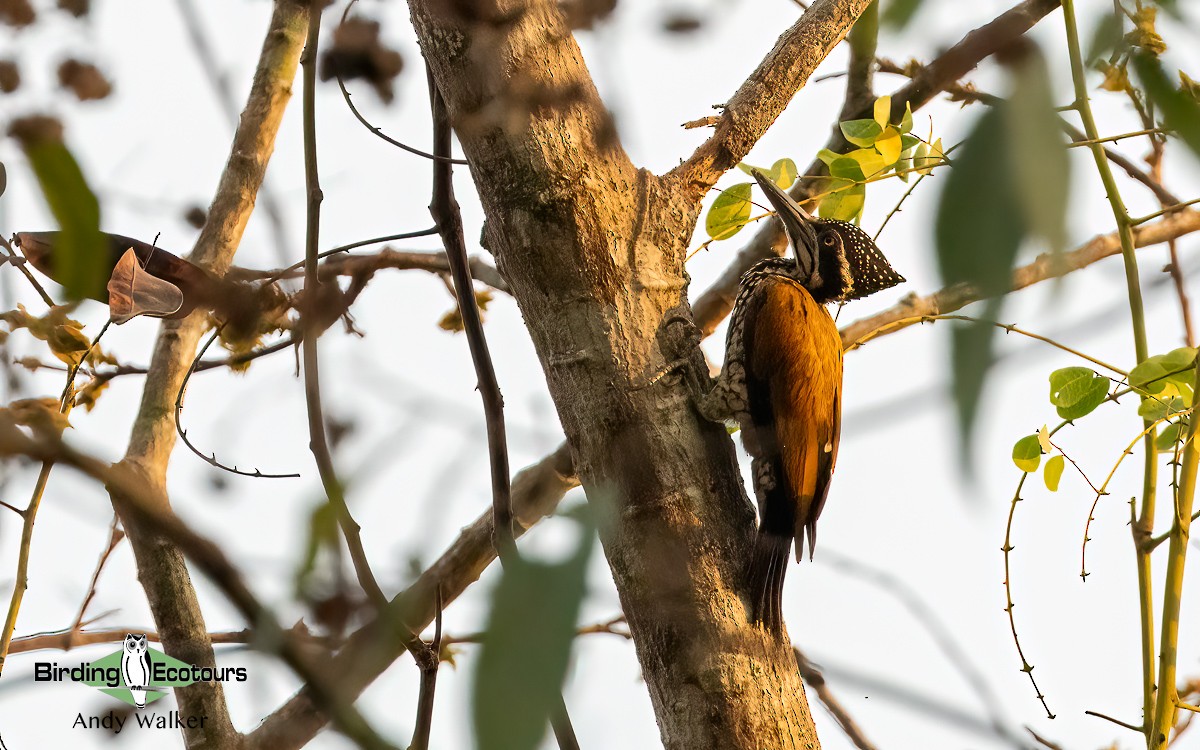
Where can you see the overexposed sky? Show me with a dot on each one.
(416, 459)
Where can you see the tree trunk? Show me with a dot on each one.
(594, 251)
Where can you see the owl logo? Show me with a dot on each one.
(135, 667)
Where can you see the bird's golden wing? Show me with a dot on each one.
(794, 380)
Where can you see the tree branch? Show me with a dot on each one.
(161, 567)
(1044, 267)
(767, 91)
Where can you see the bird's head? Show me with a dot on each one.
(835, 260)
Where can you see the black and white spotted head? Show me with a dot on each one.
(835, 260)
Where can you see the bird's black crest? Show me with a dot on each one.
(869, 269)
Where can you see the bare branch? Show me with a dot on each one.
(767, 91)
(1044, 267)
(162, 570)
(815, 680)
(536, 492)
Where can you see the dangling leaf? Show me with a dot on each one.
(82, 260)
(1041, 167)
(1180, 112)
(1053, 472)
(526, 647)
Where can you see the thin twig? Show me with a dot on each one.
(429, 673)
(115, 535)
(814, 679)
(318, 440)
(211, 459)
(1118, 722)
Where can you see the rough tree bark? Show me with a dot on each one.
(593, 249)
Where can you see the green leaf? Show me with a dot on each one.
(1070, 385)
(81, 257)
(978, 227)
(1153, 374)
(883, 110)
(1154, 409)
(783, 173)
(1180, 112)
(827, 156)
(1105, 38)
(861, 132)
(978, 230)
(906, 122)
(898, 13)
(889, 145)
(729, 212)
(909, 141)
(1053, 472)
(904, 169)
(858, 165)
(1041, 167)
(1027, 454)
(749, 168)
(526, 648)
(1096, 394)
(1170, 435)
(971, 357)
(844, 205)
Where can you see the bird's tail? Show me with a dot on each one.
(768, 565)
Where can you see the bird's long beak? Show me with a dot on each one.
(797, 222)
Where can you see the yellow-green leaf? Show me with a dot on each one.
(1027, 454)
(1053, 472)
(729, 212)
(889, 145)
(883, 110)
(861, 133)
(845, 204)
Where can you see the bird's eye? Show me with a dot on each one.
(829, 240)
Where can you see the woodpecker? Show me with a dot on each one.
(782, 381)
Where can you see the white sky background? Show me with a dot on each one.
(416, 460)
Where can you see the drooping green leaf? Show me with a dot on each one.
(1027, 454)
(1170, 435)
(729, 212)
(844, 205)
(1105, 38)
(526, 648)
(978, 231)
(1041, 167)
(1180, 112)
(908, 142)
(1053, 472)
(971, 357)
(898, 13)
(81, 258)
(1154, 409)
(861, 132)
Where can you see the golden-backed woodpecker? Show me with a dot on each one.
(782, 381)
